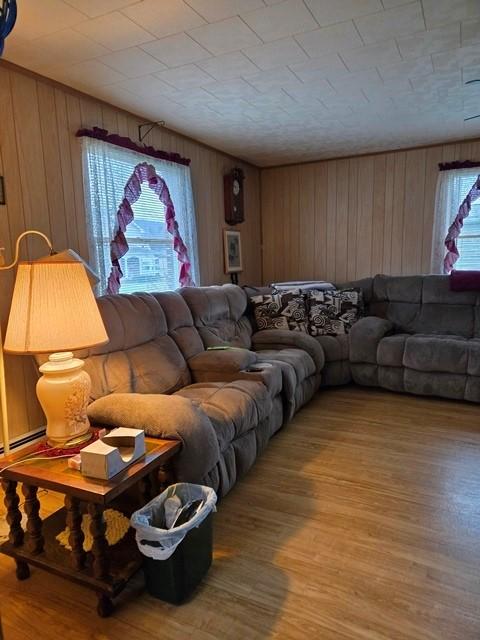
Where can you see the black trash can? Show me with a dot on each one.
(176, 559)
(176, 578)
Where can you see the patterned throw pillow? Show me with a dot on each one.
(286, 310)
(331, 313)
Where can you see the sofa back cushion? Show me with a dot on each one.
(180, 325)
(425, 304)
(140, 357)
(219, 314)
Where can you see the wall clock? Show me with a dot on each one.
(233, 196)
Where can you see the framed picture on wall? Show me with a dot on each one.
(232, 248)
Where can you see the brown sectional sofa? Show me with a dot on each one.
(159, 371)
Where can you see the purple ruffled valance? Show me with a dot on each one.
(145, 172)
(456, 226)
(458, 164)
(126, 143)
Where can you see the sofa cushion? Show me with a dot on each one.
(336, 373)
(437, 290)
(161, 416)
(180, 323)
(446, 319)
(282, 310)
(140, 356)
(335, 348)
(279, 339)
(447, 354)
(222, 360)
(233, 408)
(398, 288)
(473, 366)
(298, 371)
(219, 314)
(390, 350)
(333, 312)
(301, 362)
(425, 383)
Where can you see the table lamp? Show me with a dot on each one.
(54, 311)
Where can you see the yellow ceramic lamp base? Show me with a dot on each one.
(64, 392)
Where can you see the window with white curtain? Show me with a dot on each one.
(151, 263)
(452, 187)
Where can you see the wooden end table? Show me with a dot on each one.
(104, 569)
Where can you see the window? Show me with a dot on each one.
(452, 187)
(150, 264)
(468, 243)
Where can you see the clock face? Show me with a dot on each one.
(236, 187)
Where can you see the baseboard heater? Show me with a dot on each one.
(22, 441)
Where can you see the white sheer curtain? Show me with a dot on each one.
(452, 187)
(106, 169)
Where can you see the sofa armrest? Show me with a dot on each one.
(365, 336)
(281, 339)
(168, 417)
(220, 364)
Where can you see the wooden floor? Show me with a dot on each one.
(360, 521)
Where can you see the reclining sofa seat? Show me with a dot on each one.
(336, 370)
(142, 378)
(221, 318)
(418, 337)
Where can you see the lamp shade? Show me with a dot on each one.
(53, 309)
(68, 255)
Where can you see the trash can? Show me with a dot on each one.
(174, 533)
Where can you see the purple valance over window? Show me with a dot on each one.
(456, 226)
(458, 164)
(145, 172)
(127, 143)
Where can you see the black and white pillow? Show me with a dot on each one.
(286, 310)
(332, 313)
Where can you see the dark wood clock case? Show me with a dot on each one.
(233, 197)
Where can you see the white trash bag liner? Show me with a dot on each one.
(157, 542)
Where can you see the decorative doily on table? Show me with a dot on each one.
(117, 527)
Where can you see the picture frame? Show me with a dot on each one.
(232, 249)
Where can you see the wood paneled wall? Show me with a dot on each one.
(41, 162)
(353, 217)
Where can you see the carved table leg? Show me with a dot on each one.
(35, 541)
(105, 606)
(23, 570)
(76, 537)
(14, 519)
(165, 477)
(98, 528)
(14, 515)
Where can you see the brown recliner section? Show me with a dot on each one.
(220, 316)
(143, 378)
